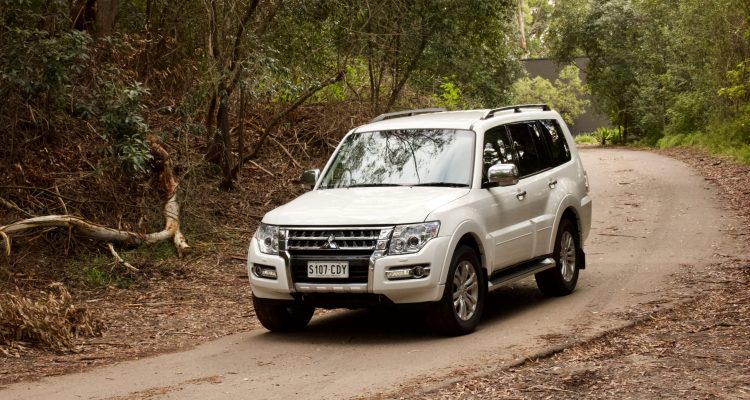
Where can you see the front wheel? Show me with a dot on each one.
(282, 316)
(561, 280)
(459, 310)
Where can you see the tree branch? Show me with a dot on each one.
(280, 116)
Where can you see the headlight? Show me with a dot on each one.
(268, 238)
(411, 238)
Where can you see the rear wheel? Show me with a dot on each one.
(459, 310)
(561, 280)
(282, 316)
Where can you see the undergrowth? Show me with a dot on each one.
(52, 321)
(731, 138)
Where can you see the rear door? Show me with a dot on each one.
(559, 179)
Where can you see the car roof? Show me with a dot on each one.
(465, 119)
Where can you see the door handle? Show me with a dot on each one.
(552, 183)
(520, 195)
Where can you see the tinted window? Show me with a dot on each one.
(557, 144)
(497, 149)
(530, 148)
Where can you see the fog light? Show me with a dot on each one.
(409, 272)
(264, 271)
(419, 271)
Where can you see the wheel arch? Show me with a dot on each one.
(571, 214)
(466, 234)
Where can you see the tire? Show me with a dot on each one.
(282, 316)
(465, 284)
(561, 280)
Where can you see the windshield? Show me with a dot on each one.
(410, 157)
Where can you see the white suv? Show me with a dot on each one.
(432, 207)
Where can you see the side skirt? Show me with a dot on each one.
(517, 272)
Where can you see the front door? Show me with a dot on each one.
(520, 206)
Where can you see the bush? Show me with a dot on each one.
(730, 137)
(119, 112)
(586, 139)
(38, 68)
(607, 135)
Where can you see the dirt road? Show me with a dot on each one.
(653, 220)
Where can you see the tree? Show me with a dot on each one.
(566, 95)
(609, 34)
(418, 43)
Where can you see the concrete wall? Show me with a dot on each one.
(550, 70)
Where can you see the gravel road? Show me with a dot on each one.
(653, 217)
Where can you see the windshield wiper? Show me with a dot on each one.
(373, 185)
(442, 184)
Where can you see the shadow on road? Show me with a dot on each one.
(403, 324)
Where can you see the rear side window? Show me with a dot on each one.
(558, 146)
(529, 147)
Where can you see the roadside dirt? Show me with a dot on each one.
(696, 349)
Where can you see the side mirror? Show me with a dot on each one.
(310, 177)
(503, 174)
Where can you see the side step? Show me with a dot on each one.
(512, 274)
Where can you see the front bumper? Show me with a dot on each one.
(415, 290)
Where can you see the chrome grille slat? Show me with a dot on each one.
(305, 238)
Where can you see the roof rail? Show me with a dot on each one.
(407, 113)
(516, 108)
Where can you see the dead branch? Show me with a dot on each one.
(283, 148)
(14, 206)
(103, 233)
(261, 167)
(120, 260)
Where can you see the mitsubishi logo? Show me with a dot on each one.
(330, 243)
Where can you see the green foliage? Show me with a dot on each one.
(738, 81)
(120, 111)
(38, 65)
(449, 96)
(607, 136)
(586, 139)
(566, 95)
(730, 137)
(602, 136)
(98, 270)
(102, 270)
(663, 67)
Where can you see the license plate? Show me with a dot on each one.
(327, 269)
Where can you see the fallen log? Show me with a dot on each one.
(99, 232)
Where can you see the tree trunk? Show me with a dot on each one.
(407, 72)
(522, 26)
(225, 144)
(106, 11)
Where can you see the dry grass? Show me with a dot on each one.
(53, 321)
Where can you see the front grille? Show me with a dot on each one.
(354, 245)
(332, 238)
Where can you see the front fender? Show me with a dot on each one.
(467, 227)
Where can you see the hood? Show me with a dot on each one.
(363, 206)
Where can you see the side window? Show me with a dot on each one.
(530, 148)
(497, 148)
(558, 146)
